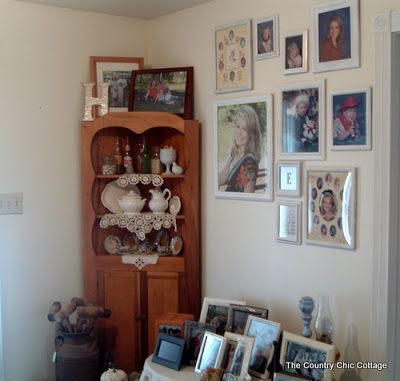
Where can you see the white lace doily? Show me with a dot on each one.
(140, 260)
(136, 178)
(140, 223)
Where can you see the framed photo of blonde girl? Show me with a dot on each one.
(243, 144)
(296, 53)
(330, 219)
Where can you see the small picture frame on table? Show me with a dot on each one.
(289, 222)
(211, 352)
(237, 317)
(165, 90)
(330, 218)
(233, 57)
(288, 179)
(296, 53)
(169, 351)
(349, 115)
(317, 353)
(267, 43)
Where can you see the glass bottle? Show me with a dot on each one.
(128, 162)
(118, 157)
(155, 160)
(351, 356)
(138, 149)
(146, 159)
(324, 322)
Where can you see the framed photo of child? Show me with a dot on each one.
(296, 53)
(266, 45)
(350, 120)
(330, 217)
(301, 130)
(335, 35)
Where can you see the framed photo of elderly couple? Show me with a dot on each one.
(243, 145)
(330, 218)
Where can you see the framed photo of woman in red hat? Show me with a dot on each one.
(350, 120)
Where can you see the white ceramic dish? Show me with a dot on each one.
(176, 245)
(112, 244)
(112, 192)
(174, 205)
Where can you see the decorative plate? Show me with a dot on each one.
(174, 205)
(112, 192)
(162, 238)
(176, 245)
(112, 244)
(131, 240)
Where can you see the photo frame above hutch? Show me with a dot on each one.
(117, 71)
(266, 41)
(335, 35)
(233, 57)
(164, 90)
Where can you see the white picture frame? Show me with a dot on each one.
(338, 104)
(211, 353)
(269, 48)
(301, 136)
(257, 115)
(289, 222)
(346, 54)
(288, 179)
(292, 43)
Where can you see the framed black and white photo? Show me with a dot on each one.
(243, 151)
(211, 352)
(266, 45)
(289, 222)
(335, 35)
(296, 53)
(288, 179)
(169, 351)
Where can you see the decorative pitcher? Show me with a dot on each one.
(159, 200)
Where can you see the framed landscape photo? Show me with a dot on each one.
(335, 34)
(211, 352)
(237, 317)
(233, 57)
(169, 351)
(296, 349)
(165, 90)
(350, 119)
(288, 179)
(301, 118)
(296, 53)
(331, 207)
(117, 71)
(264, 332)
(267, 43)
(289, 222)
(243, 149)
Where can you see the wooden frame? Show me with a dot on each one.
(233, 57)
(237, 317)
(164, 90)
(264, 332)
(340, 102)
(297, 42)
(334, 227)
(266, 48)
(252, 175)
(288, 179)
(102, 69)
(289, 222)
(301, 121)
(317, 353)
(172, 324)
(344, 14)
(211, 352)
(237, 354)
(215, 311)
(169, 351)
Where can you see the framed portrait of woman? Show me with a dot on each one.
(243, 149)
(335, 35)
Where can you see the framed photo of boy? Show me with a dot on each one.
(335, 34)
(243, 149)
(267, 43)
(296, 53)
(165, 90)
(350, 120)
(301, 116)
(331, 207)
(233, 57)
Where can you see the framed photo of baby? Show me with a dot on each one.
(331, 207)
(335, 34)
(350, 120)
(296, 53)
(243, 149)
(301, 130)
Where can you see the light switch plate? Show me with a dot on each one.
(11, 203)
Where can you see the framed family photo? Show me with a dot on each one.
(243, 149)
(350, 119)
(233, 57)
(288, 179)
(237, 354)
(211, 352)
(165, 90)
(335, 34)
(289, 222)
(296, 53)
(301, 118)
(264, 332)
(296, 349)
(117, 71)
(267, 43)
(237, 317)
(331, 207)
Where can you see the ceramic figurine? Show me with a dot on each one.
(176, 169)
(306, 305)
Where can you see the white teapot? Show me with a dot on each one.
(131, 203)
(159, 201)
